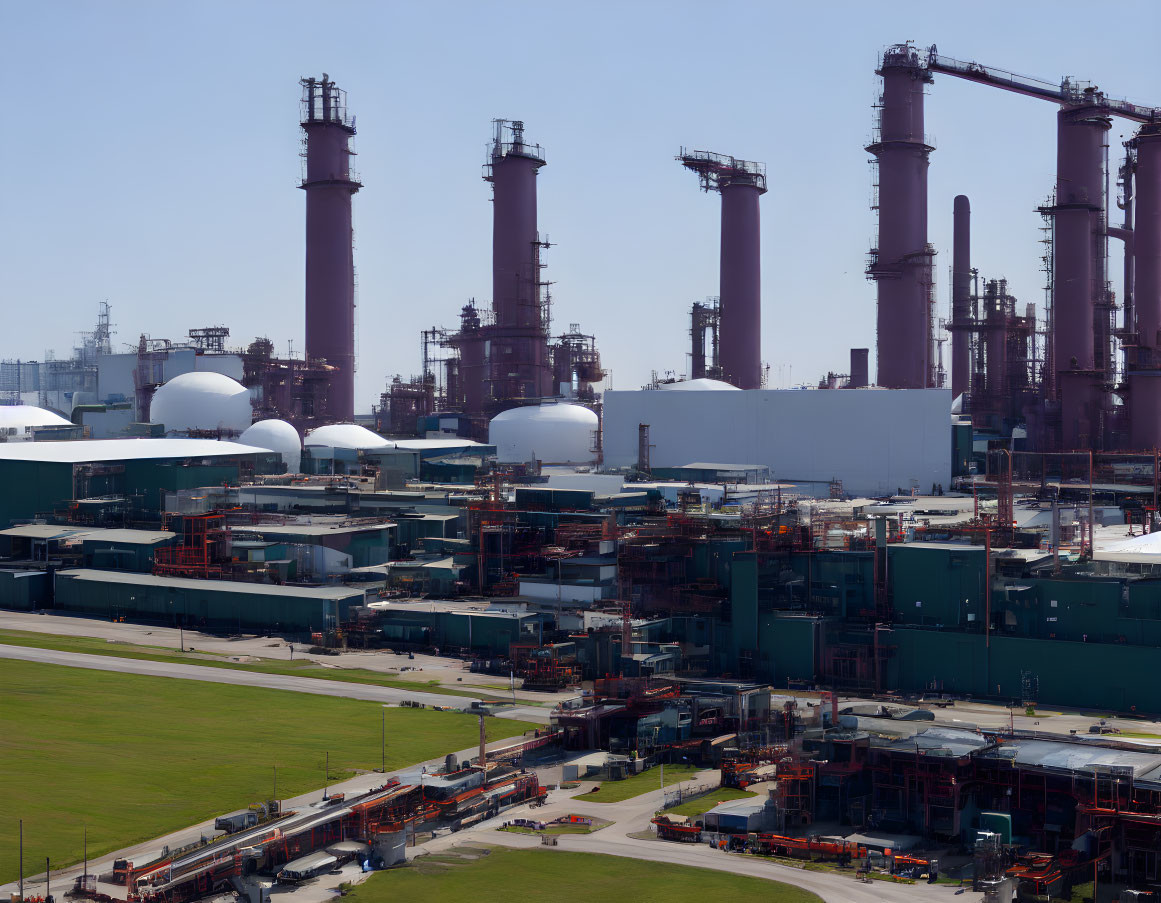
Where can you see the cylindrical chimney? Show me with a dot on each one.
(1076, 224)
(860, 369)
(902, 263)
(330, 263)
(961, 290)
(518, 357)
(741, 285)
(1147, 242)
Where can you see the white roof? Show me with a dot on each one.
(699, 385)
(22, 415)
(345, 435)
(424, 444)
(78, 451)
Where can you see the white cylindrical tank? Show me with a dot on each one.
(17, 421)
(201, 401)
(277, 436)
(349, 436)
(549, 433)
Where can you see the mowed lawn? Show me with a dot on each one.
(135, 757)
(703, 804)
(616, 791)
(551, 876)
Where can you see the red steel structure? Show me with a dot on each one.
(740, 183)
(330, 265)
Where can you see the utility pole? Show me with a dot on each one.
(327, 776)
(22, 860)
(383, 744)
(275, 797)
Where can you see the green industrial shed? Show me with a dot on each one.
(208, 604)
(43, 478)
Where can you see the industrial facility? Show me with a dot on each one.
(699, 567)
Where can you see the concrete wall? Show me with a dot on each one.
(874, 440)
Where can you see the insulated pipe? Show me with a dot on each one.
(330, 262)
(961, 290)
(901, 265)
(1076, 225)
(740, 317)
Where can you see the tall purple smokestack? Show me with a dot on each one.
(519, 345)
(741, 183)
(741, 284)
(901, 264)
(859, 368)
(1147, 240)
(1145, 383)
(330, 264)
(961, 291)
(1077, 229)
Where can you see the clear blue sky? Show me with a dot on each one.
(152, 159)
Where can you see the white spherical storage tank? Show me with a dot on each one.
(201, 401)
(18, 420)
(277, 436)
(549, 433)
(349, 436)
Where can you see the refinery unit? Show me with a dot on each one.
(699, 567)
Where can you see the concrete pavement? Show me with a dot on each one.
(449, 672)
(238, 677)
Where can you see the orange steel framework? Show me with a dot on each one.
(202, 549)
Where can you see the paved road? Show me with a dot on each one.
(250, 679)
(450, 672)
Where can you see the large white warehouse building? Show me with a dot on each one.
(874, 440)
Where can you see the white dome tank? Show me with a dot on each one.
(699, 385)
(201, 401)
(348, 436)
(277, 436)
(18, 420)
(549, 433)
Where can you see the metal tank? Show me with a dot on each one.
(330, 264)
(961, 295)
(1078, 232)
(741, 183)
(901, 264)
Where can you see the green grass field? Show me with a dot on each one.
(616, 791)
(552, 876)
(134, 757)
(703, 804)
(295, 668)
